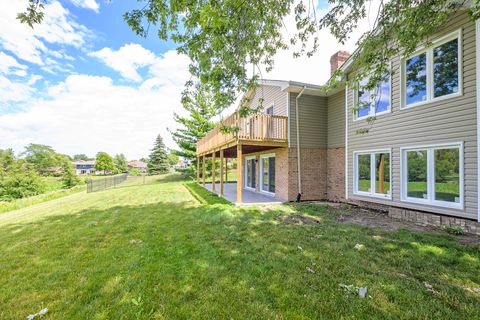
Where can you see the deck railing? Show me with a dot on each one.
(253, 128)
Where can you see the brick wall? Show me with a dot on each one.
(336, 174)
(420, 217)
(337, 60)
(281, 174)
(435, 220)
(314, 174)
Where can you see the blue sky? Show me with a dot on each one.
(83, 82)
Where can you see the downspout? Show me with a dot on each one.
(299, 168)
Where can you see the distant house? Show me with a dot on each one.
(139, 165)
(84, 167)
(182, 164)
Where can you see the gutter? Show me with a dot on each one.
(297, 123)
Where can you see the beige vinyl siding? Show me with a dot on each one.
(448, 121)
(271, 96)
(313, 121)
(336, 120)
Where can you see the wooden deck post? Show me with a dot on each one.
(198, 169)
(221, 172)
(203, 170)
(214, 178)
(239, 173)
(226, 170)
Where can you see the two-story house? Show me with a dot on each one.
(418, 161)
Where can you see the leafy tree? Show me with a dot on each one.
(18, 178)
(104, 162)
(196, 124)
(226, 39)
(42, 157)
(173, 158)
(121, 162)
(80, 156)
(158, 160)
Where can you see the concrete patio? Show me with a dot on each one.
(249, 197)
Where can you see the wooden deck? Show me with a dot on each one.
(258, 129)
(252, 134)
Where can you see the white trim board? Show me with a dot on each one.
(477, 57)
(346, 143)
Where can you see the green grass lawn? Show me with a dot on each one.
(171, 250)
(52, 183)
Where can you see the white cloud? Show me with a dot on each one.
(87, 114)
(9, 65)
(126, 60)
(28, 44)
(130, 58)
(13, 91)
(87, 4)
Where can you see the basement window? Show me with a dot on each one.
(372, 171)
(433, 175)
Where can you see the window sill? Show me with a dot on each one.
(372, 195)
(375, 115)
(422, 103)
(440, 204)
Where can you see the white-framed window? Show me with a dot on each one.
(374, 102)
(433, 175)
(373, 173)
(433, 73)
(267, 173)
(250, 172)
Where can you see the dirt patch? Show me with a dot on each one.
(299, 219)
(371, 218)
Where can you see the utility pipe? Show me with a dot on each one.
(299, 168)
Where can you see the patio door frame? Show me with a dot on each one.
(263, 156)
(246, 186)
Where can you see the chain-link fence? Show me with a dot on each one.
(94, 185)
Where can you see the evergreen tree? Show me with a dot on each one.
(69, 178)
(196, 124)
(158, 160)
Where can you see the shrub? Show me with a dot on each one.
(20, 184)
(134, 172)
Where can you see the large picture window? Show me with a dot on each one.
(374, 102)
(433, 175)
(372, 173)
(432, 73)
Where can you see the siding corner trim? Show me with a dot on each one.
(477, 60)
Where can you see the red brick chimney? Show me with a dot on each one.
(337, 60)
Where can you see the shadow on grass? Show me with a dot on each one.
(204, 196)
(182, 260)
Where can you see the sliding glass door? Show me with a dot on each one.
(250, 172)
(268, 173)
